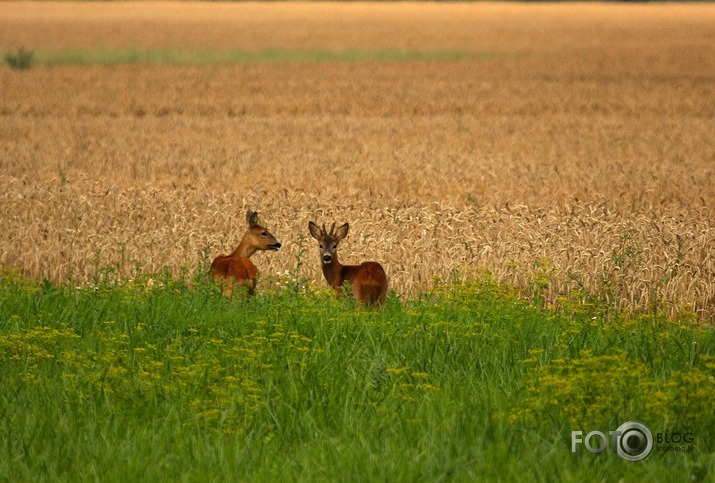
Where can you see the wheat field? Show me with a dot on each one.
(567, 149)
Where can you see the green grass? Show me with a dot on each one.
(176, 56)
(159, 380)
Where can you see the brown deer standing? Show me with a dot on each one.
(236, 268)
(368, 280)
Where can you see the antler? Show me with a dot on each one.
(329, 233)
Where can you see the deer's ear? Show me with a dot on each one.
(314, 230)
(342, 232)
(252, 218)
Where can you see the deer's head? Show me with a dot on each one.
(257, 236)
(328, 240)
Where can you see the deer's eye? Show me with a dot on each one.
(265, 233)
(334, 247)
(321, 246)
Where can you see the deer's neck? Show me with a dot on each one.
(244, 249)
(336, 273)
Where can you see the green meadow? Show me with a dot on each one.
(163, 379)
(210, 56)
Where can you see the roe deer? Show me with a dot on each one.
(236, 268)
(368, 280)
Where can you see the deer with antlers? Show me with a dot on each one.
(236, 268)
(368, 280)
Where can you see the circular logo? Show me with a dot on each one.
(634, 441)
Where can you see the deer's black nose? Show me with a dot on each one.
(327, 259)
